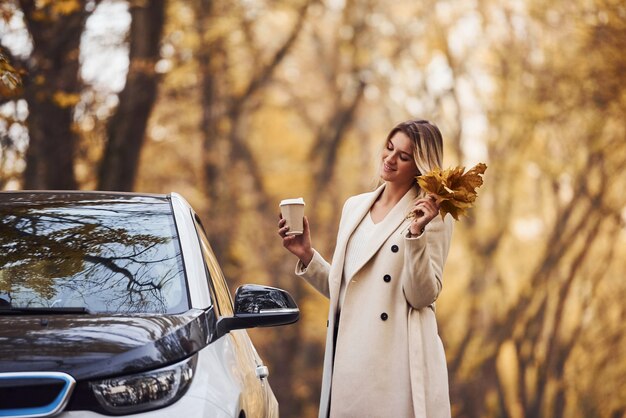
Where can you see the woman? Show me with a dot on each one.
(383, 354)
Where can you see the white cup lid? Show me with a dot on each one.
(297, 201)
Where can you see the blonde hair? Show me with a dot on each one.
(427, 143)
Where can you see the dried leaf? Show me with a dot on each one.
(454, 190)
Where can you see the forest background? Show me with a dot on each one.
(237, 104)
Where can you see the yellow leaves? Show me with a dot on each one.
(52, 9)
(10, 80)
(63, 99)
(455, 192)
(66, 7)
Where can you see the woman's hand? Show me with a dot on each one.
(299, 245)
(425, 210)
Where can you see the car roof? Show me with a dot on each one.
(10, 198)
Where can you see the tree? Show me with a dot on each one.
(518, 349)
(127, 127)
(52, 89)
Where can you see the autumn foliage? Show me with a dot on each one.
(454, 190)
(10, 80)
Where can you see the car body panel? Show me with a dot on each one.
(90, 346)
(215, 392)
(192, 255)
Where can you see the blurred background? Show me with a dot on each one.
(237, 104)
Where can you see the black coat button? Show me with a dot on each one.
(384, 316)
(387, 278)
(394, 248)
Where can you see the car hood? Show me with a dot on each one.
(93, 346)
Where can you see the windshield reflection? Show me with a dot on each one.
(109, 254)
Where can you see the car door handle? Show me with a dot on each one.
(262, 372)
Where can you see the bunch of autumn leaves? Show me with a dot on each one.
(454, 190)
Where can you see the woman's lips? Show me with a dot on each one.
(388, 168)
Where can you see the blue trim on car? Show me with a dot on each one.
(53, 407)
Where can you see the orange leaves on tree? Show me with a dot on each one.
(454, 190)
(10, 80)
(66, 7)
(64, 99)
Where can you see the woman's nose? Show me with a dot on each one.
(390, 158)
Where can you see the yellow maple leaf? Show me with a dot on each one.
(454, 190)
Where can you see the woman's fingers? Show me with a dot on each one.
(294, 243)
(282, 228)
(426, 208)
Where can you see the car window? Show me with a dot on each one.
(117, 254)
(216, 277)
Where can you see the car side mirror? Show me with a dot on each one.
(260, 306)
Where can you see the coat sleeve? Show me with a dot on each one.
(424, 259)
(316, 273)
(318, 270)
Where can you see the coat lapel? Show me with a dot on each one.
(353, 218)
(386, 227)
(356, 216)
(382, 232)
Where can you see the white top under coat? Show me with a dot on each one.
(355, 253)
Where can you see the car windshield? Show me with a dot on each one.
(105, 253)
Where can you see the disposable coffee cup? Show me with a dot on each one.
(293, 212)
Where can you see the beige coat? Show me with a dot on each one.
(389, 360)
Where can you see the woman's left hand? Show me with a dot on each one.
(425, 210)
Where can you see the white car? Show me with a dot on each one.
(114, 304)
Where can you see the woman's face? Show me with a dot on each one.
(398, 165)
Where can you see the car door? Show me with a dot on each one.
(255, 391)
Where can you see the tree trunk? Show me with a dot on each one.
(126, 129)
(50, 154)
(51, 90)
(329, 139)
